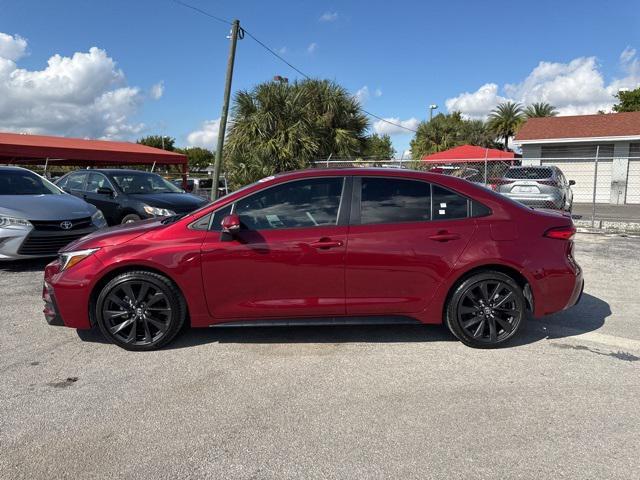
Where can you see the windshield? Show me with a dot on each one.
(24, 182)
(143, 182)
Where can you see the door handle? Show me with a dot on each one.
(326, 243)
(444, 236)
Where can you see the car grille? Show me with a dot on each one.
(45, 244)
(56, 225)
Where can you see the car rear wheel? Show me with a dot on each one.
(132, 217)
(486, 310)
(140, 310)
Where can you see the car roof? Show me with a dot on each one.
(12, 168)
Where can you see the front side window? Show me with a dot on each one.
(298, 204)
(76, 181)
(391, 200)
(96, 181)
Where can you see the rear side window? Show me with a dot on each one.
(448, 205)
(390, 200)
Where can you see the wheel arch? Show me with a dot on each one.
(111, 274)
(508, 270)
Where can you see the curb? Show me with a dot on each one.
(608, 226)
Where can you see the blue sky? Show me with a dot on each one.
(159, 67)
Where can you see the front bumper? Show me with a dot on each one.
(17, 244)
(51, 311)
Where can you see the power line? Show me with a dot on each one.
(196, 9)
(279, 57)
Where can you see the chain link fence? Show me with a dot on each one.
(599, 190)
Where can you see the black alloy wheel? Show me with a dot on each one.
(140, 310)
(486, 310)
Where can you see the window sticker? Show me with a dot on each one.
(441, 212)
(443, 205)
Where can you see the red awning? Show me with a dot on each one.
(35, 149)
(469, 153)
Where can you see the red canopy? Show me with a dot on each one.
(469, 153)
(35, 149)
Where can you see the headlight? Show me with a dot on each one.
(69, 259)
(158, 212)
(14, 222)
(98, 219)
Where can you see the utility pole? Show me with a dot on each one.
(235, 31)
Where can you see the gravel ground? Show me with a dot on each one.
(331, 402)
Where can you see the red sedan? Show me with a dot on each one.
(315, 247)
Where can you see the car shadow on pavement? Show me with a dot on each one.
(587, 316)
(18, 266)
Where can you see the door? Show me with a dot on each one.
(288, 258)
(633, 181)
(107, 204)
(405, 237)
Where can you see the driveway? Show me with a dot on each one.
(332, 402)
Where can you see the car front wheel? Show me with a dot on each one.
(486, 310)
(140, 310)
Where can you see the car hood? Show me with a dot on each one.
(117, 235)
(45, 207)
(178, 202)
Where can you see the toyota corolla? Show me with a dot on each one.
(318, 247)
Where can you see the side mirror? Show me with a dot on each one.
(105, 191)
(572, 182)
(231, 224)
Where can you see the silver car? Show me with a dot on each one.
(537, 187)
(37, 218)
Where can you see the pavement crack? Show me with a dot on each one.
(619, 355)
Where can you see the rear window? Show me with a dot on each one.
(532, 173)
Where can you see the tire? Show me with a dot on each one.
(132, 217)
(140, 310)
(472, 315)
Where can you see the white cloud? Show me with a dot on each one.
(329, 17)
(84, 95)
(385, 128)
(574, 88)
(377, 93)
(12, 47)
(362, 95)
(312, 47)
(627, 54)
(476, 104)
(206, 136)
(157, 90)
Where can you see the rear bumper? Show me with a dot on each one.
(537, 200)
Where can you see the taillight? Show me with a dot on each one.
(561, 233)
(551, 183)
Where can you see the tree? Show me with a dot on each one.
(156, 141)
(198, 157)
(540, 109)
(447, 131)
(628, 101)
(378, 147)
(278, 127)
(505, 119)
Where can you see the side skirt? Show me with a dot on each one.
(314, 322)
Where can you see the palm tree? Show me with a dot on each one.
(540, 109)
(505, 119)
(278, 127)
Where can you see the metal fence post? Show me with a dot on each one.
(595, 186)
(486, 153)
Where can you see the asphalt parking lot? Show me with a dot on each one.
(332, 402)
